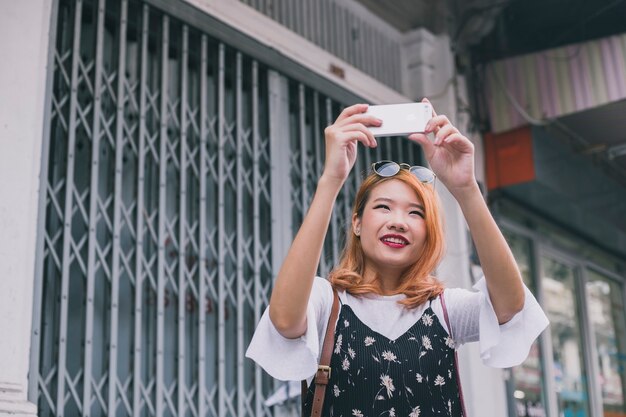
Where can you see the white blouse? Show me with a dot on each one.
(471, 315)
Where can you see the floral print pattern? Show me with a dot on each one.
(389, 356)
(373, 376)
(415, 412)
(351, 353)
(387, 382)
(338, 344)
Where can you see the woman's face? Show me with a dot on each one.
(392, 228)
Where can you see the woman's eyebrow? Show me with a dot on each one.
(390, 200)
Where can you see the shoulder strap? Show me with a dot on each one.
(445, 314)
(456, 356)
(322, 376)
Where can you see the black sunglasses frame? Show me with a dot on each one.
(413, 169)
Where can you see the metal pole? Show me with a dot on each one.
(333, 218)
(67, 216)
(317, 144)
(240, 234)
(257, 224)
(399, 142)
(139, 220)
(182, 220)
(203, 228)
(160, 345)
(93, 212)
(221, 236)
(366, 163)
(117, 203)
(304, 200)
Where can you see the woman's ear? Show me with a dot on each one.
(356, 225)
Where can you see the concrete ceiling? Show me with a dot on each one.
(601, 125)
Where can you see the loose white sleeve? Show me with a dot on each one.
(473, 318)
(293, 359)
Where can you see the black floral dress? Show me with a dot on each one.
(373, 376)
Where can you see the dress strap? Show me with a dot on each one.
(456, 355)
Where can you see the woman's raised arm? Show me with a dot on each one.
(292, 288)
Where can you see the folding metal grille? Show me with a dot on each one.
(155, 260)
(157, 245)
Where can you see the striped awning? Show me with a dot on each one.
(555, 82)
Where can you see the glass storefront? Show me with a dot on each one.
(578, 367)
(559, 287)
(528, 389)
(605, 302)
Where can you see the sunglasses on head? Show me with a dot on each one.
(391, 168)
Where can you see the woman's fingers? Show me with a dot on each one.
(350, 111)
(445, 131)
(436, 122)
(351, 132)
(459, 142)
(365, 119)
(351, 129)
(353, 118)
(359, 136)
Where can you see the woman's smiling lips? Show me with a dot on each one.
(394, 241)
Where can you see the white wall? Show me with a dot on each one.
(24, 43)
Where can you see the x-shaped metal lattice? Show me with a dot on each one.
(121, 125)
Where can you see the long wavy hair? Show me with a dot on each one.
(417, 282)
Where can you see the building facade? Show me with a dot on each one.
(158, 157)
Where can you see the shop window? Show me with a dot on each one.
(562, 308)
(526, 383)
(606, 313)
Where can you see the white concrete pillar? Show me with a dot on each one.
(24, 41)
(418, 62)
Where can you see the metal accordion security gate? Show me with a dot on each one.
(172, 159)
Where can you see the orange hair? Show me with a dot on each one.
(417, 282)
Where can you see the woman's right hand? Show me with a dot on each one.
(341, 140)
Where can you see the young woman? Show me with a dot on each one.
(393, 354)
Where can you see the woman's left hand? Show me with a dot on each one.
(450, 155)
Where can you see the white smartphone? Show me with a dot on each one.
(400, 119)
